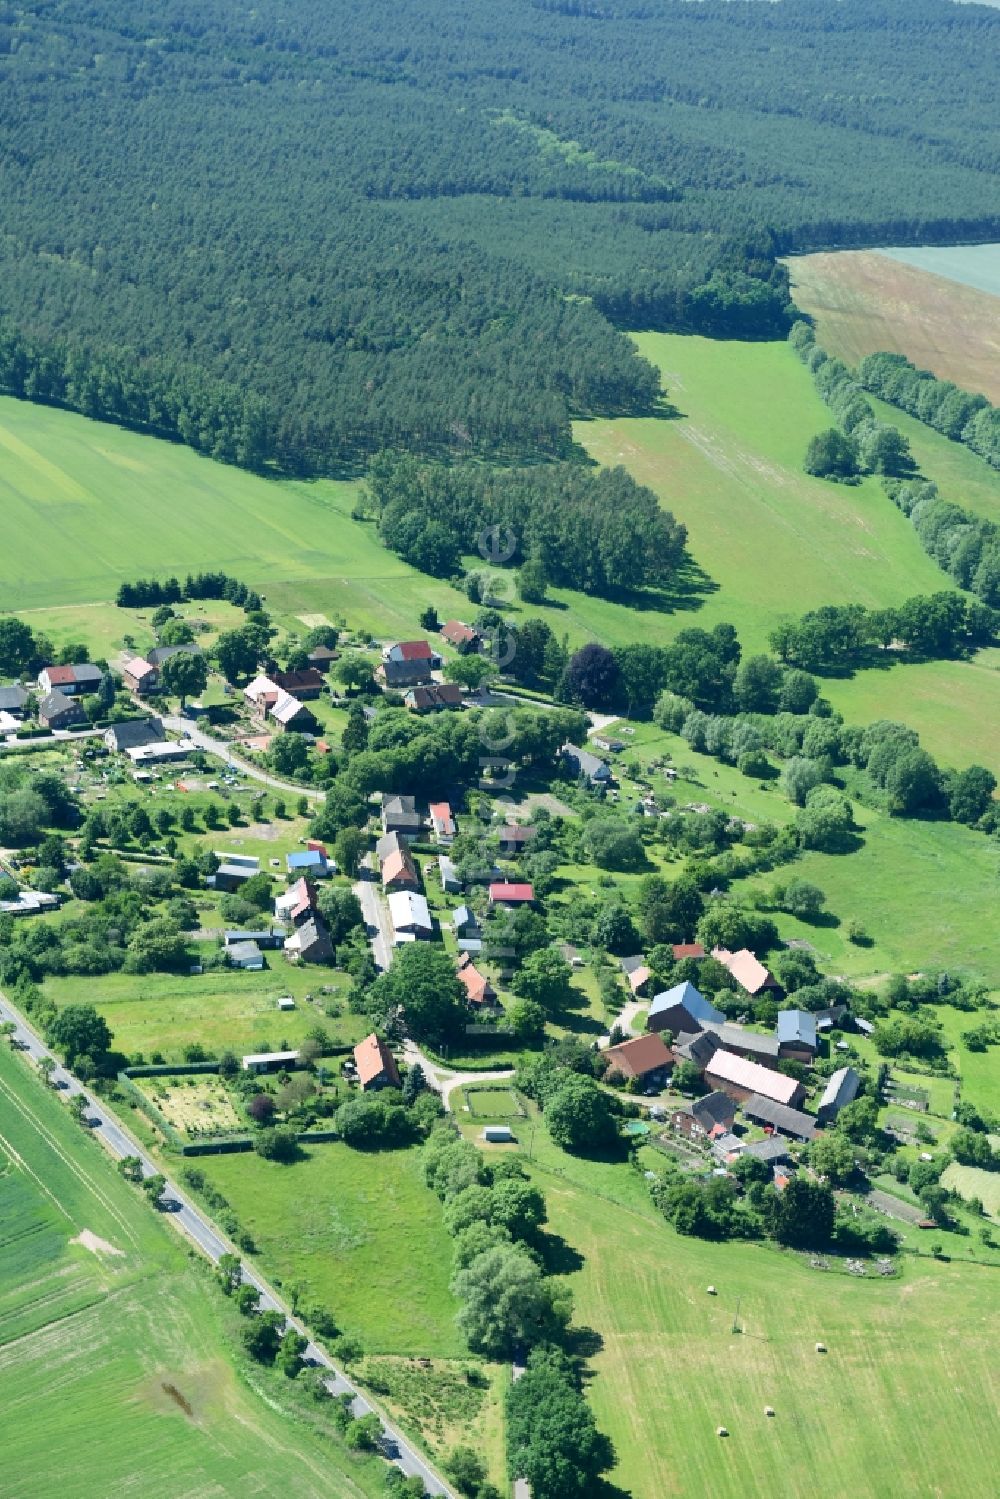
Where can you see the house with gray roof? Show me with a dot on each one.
(841, 1090)
(583, 763)
(746, 1043)
(797, 1034)
(57, 711)
(246, 955)
(781, 1117)
(133, 733)
(13, 699)
(713, 1109)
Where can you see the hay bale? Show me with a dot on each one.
(711, 1291)
(820, 1347)
(720, 1431)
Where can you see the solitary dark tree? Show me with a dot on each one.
(593, 676)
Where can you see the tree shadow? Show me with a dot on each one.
(583, 1343)
(559, 1258)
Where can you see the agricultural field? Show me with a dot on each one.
(114, 1371)
(220, 1010)
(730, 466)
(357, 1232)
(973, 1181)
(941, 308)
(909, 1359)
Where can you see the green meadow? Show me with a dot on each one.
(114, 1372)
(359, 1233)
(774, 540)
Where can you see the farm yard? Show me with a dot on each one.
(938, 307)
(99, 1300)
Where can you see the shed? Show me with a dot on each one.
(269, 1061)
(499, 1134)
(246, 955)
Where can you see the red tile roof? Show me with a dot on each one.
(413, 650)
(687, 950)
(477, 986)
(458, 633)
(644, 1054)
(60, 676)
(398, 867)
(373, 1060)
(512, 894)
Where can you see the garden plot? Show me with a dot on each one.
(193, 1105)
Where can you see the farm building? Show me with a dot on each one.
(748, 971)
(246, 955)
(645, 1058)
(304, 685)
(159, 752)
(841, 1090)
(409, 914)
(244, 861)
(269, 1061)
(787, 1121)
(266, 938)
(442, 822)
(29, 903)
(797, 1034)
(72, 681)
(682, 1009)
(583, 763)
(310, 942)
(746, 1043)
(133, 733)
(742, 1079)
(13, 699)
(57, 711)
(400, 815)
(161, 653)
(229, 877)
(698, 1047)
(321, 658)
(499, 1134)
(772, 1150)
(293, 715)
(375, 1064)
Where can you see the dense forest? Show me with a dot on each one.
(296, 235)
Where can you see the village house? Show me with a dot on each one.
(742, 1080)
(309, 861)
(261, 694)
(57, 711)
(246, 955)
(748, 971)
(514, 838)
(797, 1035)
(141, 676)
(160, 751)
(726, 1147)
(644, 1057)
(464, 921)
(714, 1109)
(833, 1017)
(478, 989)
(71, 681)
(682, 1009)
(511, 895)
(407, 663)
(396, 865)
(267, 938)
(442, 822)
(637, 975)
(460, 635)
(583, 763)
(400, 815)
(310, 942)
(698, 1047)
(410, 916)
(321, 658)
(133, 733)
(841, 1089)
(682, 950)
(450, 882)
(230, 876)
(375, 1065)
(433, 697)
(297, 903)
(778, 1116)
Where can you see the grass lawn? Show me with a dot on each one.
(909, 1360)
(865, 301)
(222, 1010)
(953, 705)
(730, 467)
(114, 1372)
(973, 1181)
(357, 1232)
(492, 1103)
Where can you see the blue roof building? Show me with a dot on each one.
(796, 1031)
(682, 1009)
(309, 861)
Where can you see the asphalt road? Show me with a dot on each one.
(190, 1221)
(223, 751)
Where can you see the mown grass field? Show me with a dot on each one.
(225, 1009)
(864, 301)
(774, 540)
(901, 1402)
(357, 1232)
(114, 1377)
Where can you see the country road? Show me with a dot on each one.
(376, 914)
(188, 729)
(190, 1221)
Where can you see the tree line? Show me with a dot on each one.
(598, 531)
(943, 405)
(145, 592)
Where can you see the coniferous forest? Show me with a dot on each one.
(293, 235)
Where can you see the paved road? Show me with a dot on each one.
(376, 914)
(223, 751)
(443, 1079)
(190, 1221)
